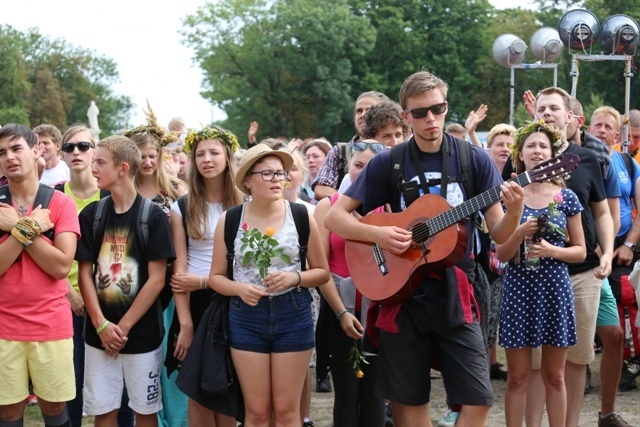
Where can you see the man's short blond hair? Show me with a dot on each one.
(123, 150)
(609, 111)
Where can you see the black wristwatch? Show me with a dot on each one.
(630, 246)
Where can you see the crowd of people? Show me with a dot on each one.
(167, 276)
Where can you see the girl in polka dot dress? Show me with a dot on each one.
(537, 302)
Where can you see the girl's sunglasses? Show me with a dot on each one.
(82, 146)
(376, 147)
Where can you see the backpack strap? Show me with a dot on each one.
(398, 153)
(466, 166)
(343, 164)
(182, 205)
(628, 162)
(143, 219)
(231, 224)
(301, 218)
(99, 220)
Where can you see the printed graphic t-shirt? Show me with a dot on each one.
(121, 269)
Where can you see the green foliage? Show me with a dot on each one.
(296, 66)
(50, 81)
(595, 101)
(261, 249)
(286, 64)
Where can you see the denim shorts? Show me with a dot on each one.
(278, 324)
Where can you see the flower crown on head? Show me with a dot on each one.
(195, 136)
(535, 126)
(165, 137)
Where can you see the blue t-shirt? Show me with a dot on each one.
(373, 187)
(627, 189)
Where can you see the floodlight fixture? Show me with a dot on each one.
(579, 29)
(619, 35)
(509, 50)
(546, 44)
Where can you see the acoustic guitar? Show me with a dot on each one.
(439, 237)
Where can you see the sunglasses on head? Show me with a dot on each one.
(376, 147)
(421, 113)
(82, 146)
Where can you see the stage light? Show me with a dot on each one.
(509, 50)
(619, 35)
(579, 29)
(546, 44)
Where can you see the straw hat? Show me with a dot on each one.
(254, 155)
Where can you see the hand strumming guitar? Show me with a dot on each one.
(394, 239)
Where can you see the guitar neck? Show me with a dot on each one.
(479, 202)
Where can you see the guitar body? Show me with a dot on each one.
(438, 233)
(405, 271)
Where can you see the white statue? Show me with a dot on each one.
(92, 115)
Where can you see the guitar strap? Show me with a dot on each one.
(444, 174)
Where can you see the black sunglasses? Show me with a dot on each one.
(376, 147)
(421, 113)
(83, 146)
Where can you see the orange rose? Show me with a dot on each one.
(270, 232)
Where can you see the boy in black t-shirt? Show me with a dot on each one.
(121, 275)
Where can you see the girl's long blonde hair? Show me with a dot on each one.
(197, 210)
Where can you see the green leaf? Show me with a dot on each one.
(246, 258)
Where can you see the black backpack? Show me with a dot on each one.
(232, 223)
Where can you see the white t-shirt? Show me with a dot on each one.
(200, 251)
(55, 175)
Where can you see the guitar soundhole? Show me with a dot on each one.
(421, 235)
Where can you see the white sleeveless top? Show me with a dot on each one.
(287, 238)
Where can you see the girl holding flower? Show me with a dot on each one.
(211, 191)
(270, 325)
(537, 301)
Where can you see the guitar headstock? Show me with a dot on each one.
(558, 166)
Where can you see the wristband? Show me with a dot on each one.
(203, 283)
(20, 237)
(102, 326)
(345, 311)
(299, 279)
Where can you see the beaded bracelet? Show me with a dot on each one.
(345, 311)
(203, 283)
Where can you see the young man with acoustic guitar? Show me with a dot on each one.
(438, 317)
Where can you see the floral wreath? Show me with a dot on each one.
(535, 126)
(195, 136)
(154, 128)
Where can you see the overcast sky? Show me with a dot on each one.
(141, 36)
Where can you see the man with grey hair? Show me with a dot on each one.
(50, 140)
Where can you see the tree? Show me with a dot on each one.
(50, 81)
(14, 85)
(286, 64)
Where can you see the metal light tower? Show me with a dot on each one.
(579, 29)
(509, 51)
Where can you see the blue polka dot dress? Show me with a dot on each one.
(538, 305)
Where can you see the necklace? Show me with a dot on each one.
(22, 207)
